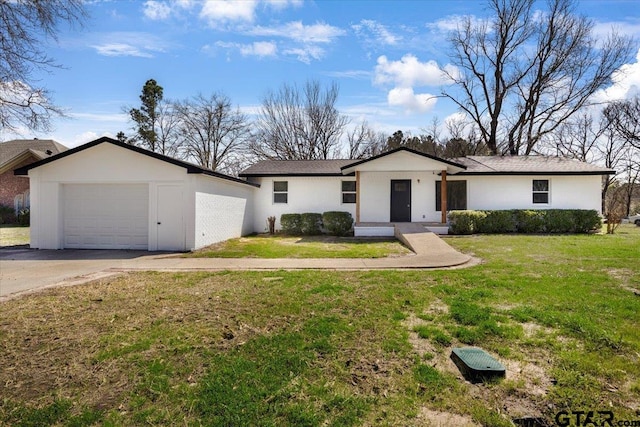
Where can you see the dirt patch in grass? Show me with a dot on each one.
(627, 279)
(431, 418)
(521, 394)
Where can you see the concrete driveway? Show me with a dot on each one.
(23, 269)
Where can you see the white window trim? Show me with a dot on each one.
(548, 193)
(274, 192)
(342, 193)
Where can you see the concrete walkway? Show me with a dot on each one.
(25, 270)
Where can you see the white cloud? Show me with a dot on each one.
(259, 49)
(350, 74)
(142, 45)
(296, 30)
(624, 28)
(282, 4)
(626, 83)
(375, 33)
(409, 71)
(101, 117)
(452, 22)
(225, 11)
(306, 53)
(410, 101)
(155, 10)
(120, 49)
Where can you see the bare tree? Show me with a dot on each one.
(297, 125)
(212, 131)
(624, 116)
(516, 94)
(168, 130)
(365, 142)
(23, 25)
(580, 138)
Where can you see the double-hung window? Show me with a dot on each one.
(280, 191)
(541, 191)
(348, 191)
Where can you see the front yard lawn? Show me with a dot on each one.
(317, 348)
(11, 235)
(266, 246)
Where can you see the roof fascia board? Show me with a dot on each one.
(409, 150)
(191, 168)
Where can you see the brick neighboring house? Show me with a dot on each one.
(14, 190)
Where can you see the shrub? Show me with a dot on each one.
(587, 220)
(497, 222)
(559, 221)
(7, 215)
(311, 224)
(525, 221)
(24, 217)
(337, 223)
(530, 221)
(291, 223)
(465, 222)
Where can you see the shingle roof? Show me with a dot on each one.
(296, 168)
(528, 165)
(190, 167)
(39, 147)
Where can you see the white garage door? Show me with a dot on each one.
(106, 216)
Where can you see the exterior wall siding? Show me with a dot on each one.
(222, 211)
(515, 192)
(375, 196)
(305, 194)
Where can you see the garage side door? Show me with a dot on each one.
(106, 216)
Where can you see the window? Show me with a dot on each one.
(541, 191)
(348, 191)
(18, 203)
(280, 191)
(456, 195)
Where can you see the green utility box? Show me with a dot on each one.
(476, 364)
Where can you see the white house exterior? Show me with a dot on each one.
(109, 195)
(408, 186)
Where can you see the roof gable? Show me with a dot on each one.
(404, 159)
(190, 168)
(10, 151)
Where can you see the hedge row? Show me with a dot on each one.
(525, 221)
(309, 224)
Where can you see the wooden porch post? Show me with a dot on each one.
(357, 197)
(443, 197)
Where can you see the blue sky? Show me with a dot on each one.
(385, 55)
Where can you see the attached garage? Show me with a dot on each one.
(110, 195)
(105, 216)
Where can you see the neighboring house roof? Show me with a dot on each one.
(190, 167)
(296, 168)
(15, 152)
(529, 165)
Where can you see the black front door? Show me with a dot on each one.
(400, 200)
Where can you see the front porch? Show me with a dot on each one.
(388, 229)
